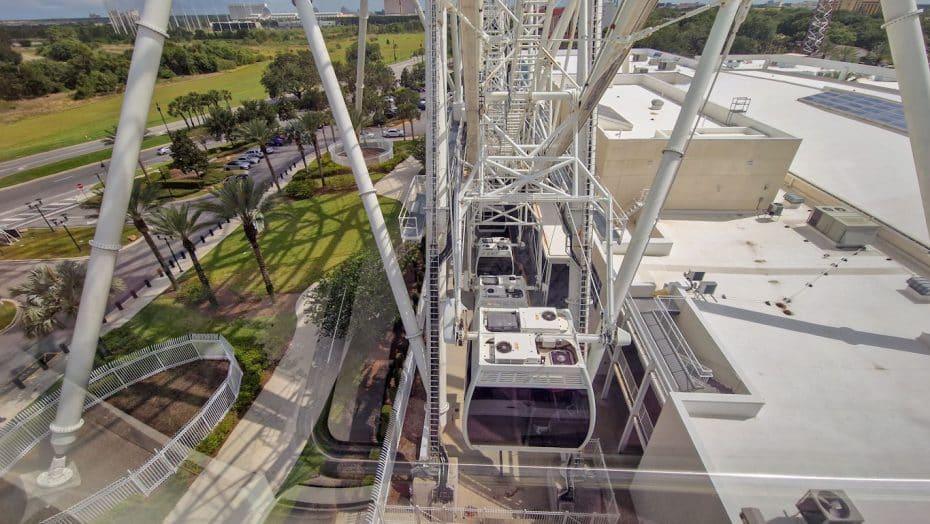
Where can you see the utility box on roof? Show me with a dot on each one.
(848, 228)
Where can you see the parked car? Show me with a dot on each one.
(392, 132)
(237, 176)
(163, 150)
(255, 152)
(276, 142)
(368, 134)
(269, 149)
(422, 104)
(236, 165)
(251, 159)
(391, 111)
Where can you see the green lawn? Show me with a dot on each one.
(71, 163)
(88, 120)
(41, 244)
(7, 313)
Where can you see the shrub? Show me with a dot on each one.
(191, 293)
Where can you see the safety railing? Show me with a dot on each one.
(31, 425)
(385, 471)
(418, 514)
(412, 217)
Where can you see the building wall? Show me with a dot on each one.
(866, 7)
(671, 483)
(716, 174)
(400, 7)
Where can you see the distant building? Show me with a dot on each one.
(866, 7)
(235, 25)
(400, 7)
(248, 11)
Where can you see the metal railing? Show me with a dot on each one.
(382, 485)
(418, 514)
(31, 425)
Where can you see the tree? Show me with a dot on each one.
(260, 109)
(221, 123)
(408, 112)
(182, 222)
(258, 132)
(294, 131)
(175, 108)
(142, 201)
(312, 121)
(360, 120)
(243, 199)
(51, 296)
(186, 156)
(292, 73)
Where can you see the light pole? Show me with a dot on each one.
(173, 256)
(63, 222)
(103, 167)
(36, 205)
(158, 107)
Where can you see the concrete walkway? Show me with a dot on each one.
(395, 184)
(239, 485)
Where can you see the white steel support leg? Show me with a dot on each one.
(439, 148)
(362, 44)
(366, 189)
(675, 149)
(637, 407)
(458, 97)
(143, 70)
(906, 39)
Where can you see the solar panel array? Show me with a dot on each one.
(864, 107)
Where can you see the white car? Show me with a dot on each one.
(163, 150)
(392, 132)
(255, 152)
(368, 134)
(252, 159)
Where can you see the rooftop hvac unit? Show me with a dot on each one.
(821, 506)
(848, 228)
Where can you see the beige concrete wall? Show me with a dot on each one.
(717, 173)
(671, 484)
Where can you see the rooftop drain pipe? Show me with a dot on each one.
(143, 69)
(674, 151)
(366, 189)
(902, 22)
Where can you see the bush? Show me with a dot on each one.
(300, 189)
(385, 420)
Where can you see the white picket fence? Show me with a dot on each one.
(31, 425)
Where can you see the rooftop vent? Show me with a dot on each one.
(656, 104)
(828, 507)
(503, 347)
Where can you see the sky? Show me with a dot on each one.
(19, 9)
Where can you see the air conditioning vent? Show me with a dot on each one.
(561, 358)
(503, 347)
(823, 506)
(548, 315)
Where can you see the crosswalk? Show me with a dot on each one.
(29, 217)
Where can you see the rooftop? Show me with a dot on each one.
(843, 377)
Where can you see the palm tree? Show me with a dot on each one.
(408, 112)
(51, 295)
(180, 222)
(257, 131)
(295, 131)
(328, 120)
(227, 97)
(243, 199)
(311, 121)
(144, 200)
(360, 120)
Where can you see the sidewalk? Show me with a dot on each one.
(240, 484)
(395, 184)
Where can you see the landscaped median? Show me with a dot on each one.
(43, 244)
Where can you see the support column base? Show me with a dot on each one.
(62, 474)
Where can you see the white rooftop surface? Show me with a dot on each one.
(868, 166)
(633, 103)
(844, 379)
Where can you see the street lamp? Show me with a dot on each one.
(36, 205)
(173, 256)
(63, 221)
(158, 107)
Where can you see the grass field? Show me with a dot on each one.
(71, 163)
(7, 313)
(57, 121)
(42, 244)
(42, 124)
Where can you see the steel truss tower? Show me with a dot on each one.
(820, 23)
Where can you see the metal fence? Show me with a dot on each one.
(417, 514)
(31, 425)
(385, 471)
